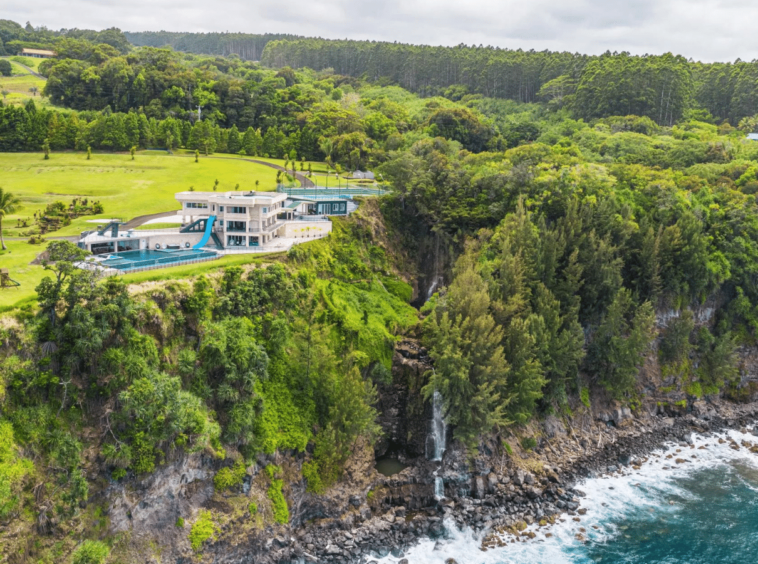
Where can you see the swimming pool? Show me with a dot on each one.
(147, 258)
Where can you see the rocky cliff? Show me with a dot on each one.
(502, 487)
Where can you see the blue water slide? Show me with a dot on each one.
(207, 234)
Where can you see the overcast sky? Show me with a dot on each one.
(707, 30)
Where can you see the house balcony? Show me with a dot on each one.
(267, 228)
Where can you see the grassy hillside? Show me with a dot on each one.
(16, 87)
(126, 189)
(31, 62)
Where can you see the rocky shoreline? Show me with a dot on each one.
(496, 495)
(498, 491)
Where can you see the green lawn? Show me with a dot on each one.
(16, 259)
(31, 62)
(19, 254)
(126, 188)
(17, 86)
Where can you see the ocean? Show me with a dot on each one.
(702, 511)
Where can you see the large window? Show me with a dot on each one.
(235, 241)
(235, 226)
(236, 209)
(196, 205)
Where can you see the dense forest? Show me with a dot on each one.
(582, 201)
(246, 46)
(662, 88)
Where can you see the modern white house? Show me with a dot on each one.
(220, 222)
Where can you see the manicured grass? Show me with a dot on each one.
(31, 62)
(22, 80)
(16, 259)
(163, 225)
(126, 188)
(16, 69)
(189, 270)
(19, 254)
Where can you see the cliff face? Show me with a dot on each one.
(498, 487)
(403, 414)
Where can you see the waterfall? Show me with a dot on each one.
(437, 278)
(439, 488)
(433, 288)
(435, 443)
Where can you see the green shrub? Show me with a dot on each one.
(695, 389)
(398, 288)
(278, 503)
(584, 395)
(528, 443)
(180, 522)
(508, 448)
(230, 477)
(202, 530)
(13, 471)
(313, 477)
(252, 508)
(90, 552)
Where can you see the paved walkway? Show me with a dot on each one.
(142, 219)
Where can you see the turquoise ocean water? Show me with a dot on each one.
(703, 511)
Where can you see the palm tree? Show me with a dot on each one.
(8, 205)
(327, 147)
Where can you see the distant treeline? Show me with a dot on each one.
(96, 69)
(247, 46)
(14, 37)
(663, 88)
(497, 73)
(29, 128)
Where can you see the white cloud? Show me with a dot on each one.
(701, 29)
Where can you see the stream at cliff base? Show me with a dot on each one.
(702, 511)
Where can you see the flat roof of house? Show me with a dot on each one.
(38, 52)
(230, 195)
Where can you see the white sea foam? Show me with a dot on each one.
(650, 493)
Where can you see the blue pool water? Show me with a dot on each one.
(129, 260)
(704, 511)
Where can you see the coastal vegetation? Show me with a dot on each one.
(583, 230)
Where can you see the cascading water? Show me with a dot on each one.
(435, 442)
(439, 488)
(437, 278)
